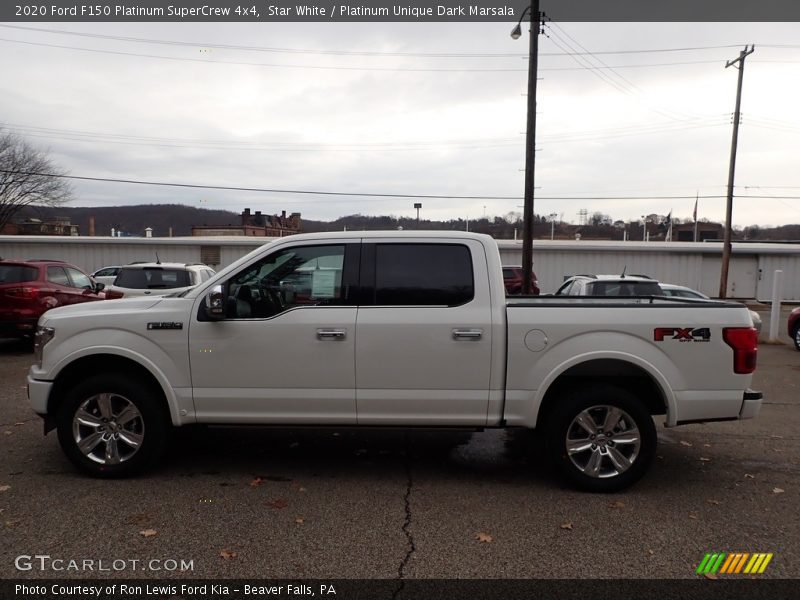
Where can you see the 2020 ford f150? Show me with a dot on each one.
(389, 328)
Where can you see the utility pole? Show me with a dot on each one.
(726, 240)
(530, 142)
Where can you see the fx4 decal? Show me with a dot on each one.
(682, 334)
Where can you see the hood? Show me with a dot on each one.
(104, 307)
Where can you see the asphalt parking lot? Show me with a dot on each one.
(346, 503)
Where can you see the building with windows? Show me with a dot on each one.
(254, 224)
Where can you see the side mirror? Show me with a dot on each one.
(99, 287)
(215, 303)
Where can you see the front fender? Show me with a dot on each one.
(167, 363)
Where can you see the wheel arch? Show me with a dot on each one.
(624, 371)
(91, 364)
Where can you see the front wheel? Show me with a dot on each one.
(796, 337)
(601, 439)
(112, 425)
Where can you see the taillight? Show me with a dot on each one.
(23, 293)
(744, 341)
(113, 294)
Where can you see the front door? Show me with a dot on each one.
(284, 353)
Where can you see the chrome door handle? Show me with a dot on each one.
(331, 334)
(467, 334)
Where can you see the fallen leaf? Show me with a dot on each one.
(710, 576)
(7, 432)
(776, 437)
(651, 552)
(148, 533)
(227, 554)
(20, 423)
(483, 537)
(777, 490)
(566, 526)
(256, 482)
(301, 489)
(278, 503)
(714, 502)
(706, 445)
(687, 444)
(617, 504)
(299, 520)
(13, 522)
(693, 515)
(748, 476)
(4, 488)
(704, 459)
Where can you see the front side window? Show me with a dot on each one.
(79, 280)
(423, 274)
(289, 278)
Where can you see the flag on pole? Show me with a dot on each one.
(668, 220)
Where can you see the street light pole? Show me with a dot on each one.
(530, 142)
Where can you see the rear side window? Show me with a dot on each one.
(423, 274)
(58, 276)
(18, 273)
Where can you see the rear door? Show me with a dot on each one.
(424, 335)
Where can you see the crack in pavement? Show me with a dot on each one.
(406, 528)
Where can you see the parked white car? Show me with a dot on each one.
(157, 279)
(106, 275)
(681, 291)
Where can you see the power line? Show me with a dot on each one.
(375, 195)
(467, 144)
(365, 52)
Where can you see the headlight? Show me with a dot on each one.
(43, 335)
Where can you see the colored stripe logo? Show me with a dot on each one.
(734, 563)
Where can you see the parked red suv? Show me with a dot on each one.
(512, 278)
(30, 287)
(794, 327)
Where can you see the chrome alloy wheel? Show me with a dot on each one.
(603, 441)
(108, 428)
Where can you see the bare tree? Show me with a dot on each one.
(27, 176)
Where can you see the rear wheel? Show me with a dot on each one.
(601, 439)
(112, 426)
(796, 337)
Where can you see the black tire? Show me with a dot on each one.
(796, 337)
(123, 424)
(600, 466)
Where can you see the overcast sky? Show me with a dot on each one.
(392, 119)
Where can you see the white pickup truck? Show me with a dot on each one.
(389, 328)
